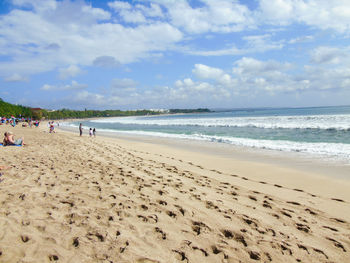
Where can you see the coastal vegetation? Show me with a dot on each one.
(8, 109)
(199, 110)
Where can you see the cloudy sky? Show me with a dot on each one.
(174, 53)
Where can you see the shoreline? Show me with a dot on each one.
(256, 166)
(336, 169)
(81, 199)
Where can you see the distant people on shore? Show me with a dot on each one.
(9, 139)
(81, 129)
(13, 121)
(94, 132)
(90, 132)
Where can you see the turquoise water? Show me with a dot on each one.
(322, 131)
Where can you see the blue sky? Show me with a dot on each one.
(175, 53)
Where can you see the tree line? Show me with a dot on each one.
(8, 109)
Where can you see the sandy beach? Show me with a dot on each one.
(78, 199)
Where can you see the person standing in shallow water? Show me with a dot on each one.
(81, 129)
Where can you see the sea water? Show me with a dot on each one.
(318, 131)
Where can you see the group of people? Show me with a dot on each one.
(92, 132)
(13, 121)
(9, 139)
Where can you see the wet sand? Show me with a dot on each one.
(79, 199)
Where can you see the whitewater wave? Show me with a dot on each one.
(323, 122)
(331, 150)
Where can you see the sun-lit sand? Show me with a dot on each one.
(78, 199)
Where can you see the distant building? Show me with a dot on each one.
(160, 110)
(36, 109)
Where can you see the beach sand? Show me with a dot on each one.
(79, 199)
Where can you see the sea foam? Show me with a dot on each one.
(325, 122)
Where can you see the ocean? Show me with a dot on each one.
(319, 131)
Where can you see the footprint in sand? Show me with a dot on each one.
(252, 198)
(160, 231)
(25, 239)
(337, 243)
(338, 200)
(171, 214)
(199, 227)
(331, 228)
(53, 257)
(75, 242)
(146, 260)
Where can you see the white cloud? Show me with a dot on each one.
(136, 14)
(327, 55)
(132, 16)
(89, 98)
(301, 39)
(250, 78)
(190, 89)
(209, 53)
(55, 34)
(123, 86)
(323, 14)
(328, 78)
(254, 75)
(205, 72)
(253, 44)
(188, 82)
(261, 43)
(98, 13)
(48, 87)
(251, 66)
(123, 83)
(38, 5)
(69, 72)
(16, 78)
(106, 61)
(225, 80)
(212, 16)
(278, 11)
(119, 5)
(153, 11)
(69, 34)
(231, 16)
(73, 86)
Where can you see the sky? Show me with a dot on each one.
(161, 54)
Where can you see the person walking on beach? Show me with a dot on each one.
(94, 132)
(90, 132)
(52, 127)
(81, 129)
